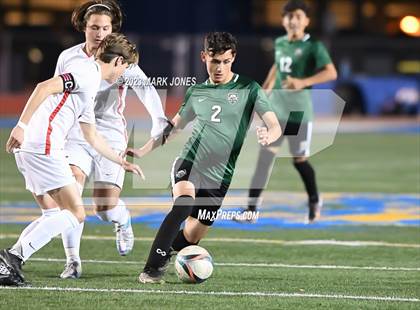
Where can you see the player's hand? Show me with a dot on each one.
(130, 167)
(137, 153)
(262, 135)
(293, 83)
(15, 140)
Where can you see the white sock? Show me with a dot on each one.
(71, 237)
(119, 214)
(31, 226)
(44, 232)
(71, 242)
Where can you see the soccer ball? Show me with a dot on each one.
(193, 264)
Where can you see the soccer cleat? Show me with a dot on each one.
(151, 275)
(10, 269)
(124, 237)
(246, 216)
(315, 211)
(72, 270)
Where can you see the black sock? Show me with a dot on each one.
(307, 174)
(181, 242)
(260, 179)
(168, 231)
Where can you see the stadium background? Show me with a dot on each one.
(369, 176)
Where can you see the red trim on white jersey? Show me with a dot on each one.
(120, 110)
(50, 119)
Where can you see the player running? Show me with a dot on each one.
(38, 142)
(223, 106)
(300, 63)
(96, 19)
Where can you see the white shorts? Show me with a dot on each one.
(44, 173)
(95, 165)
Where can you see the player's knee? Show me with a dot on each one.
(79, 214)
(182, 206)
(270, 151)
(105, 203)
(46, 202)
(103, 207)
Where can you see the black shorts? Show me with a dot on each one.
(209, 194)
(299, 137)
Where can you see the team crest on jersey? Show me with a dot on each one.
(298, 52)
(232, 98)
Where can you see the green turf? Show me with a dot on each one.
(378, 283)
(385, 163)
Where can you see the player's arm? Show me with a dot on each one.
(272, 131)
(168, 132)
(148, 96)
(270, 80)
(326, 74)
(40, 93)
(96, 140)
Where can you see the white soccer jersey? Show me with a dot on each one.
(110, 102)
(57, 114)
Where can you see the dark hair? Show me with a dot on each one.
(115, 45)
(219, 42)
(293, 5)
(110, 8)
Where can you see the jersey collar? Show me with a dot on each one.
(235, 77)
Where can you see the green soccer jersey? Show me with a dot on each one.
(297, 59)
(223, 114)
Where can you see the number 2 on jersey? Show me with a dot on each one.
(285, 64)
(216, 111)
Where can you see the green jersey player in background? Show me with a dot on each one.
(300, 62)
(223, 107)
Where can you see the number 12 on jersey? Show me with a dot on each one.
(285, 64)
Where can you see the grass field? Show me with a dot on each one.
(362, 267)
(248, 274)
(384, 163)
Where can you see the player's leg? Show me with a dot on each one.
(110, 208)
(260, 178)
(69, 217)
(300, 149)
(265, 162)
(72, 237)
(208, 201)
(109, 180)
(52, 175)
(191, 234)
(80, 161)
(183, 191)
(48, 207)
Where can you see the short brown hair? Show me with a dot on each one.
(219, 42)
(115, 45)
(110, 8)
(293, 5)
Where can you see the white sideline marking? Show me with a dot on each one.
(212, 293)
(354, 243)
(273, 265)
